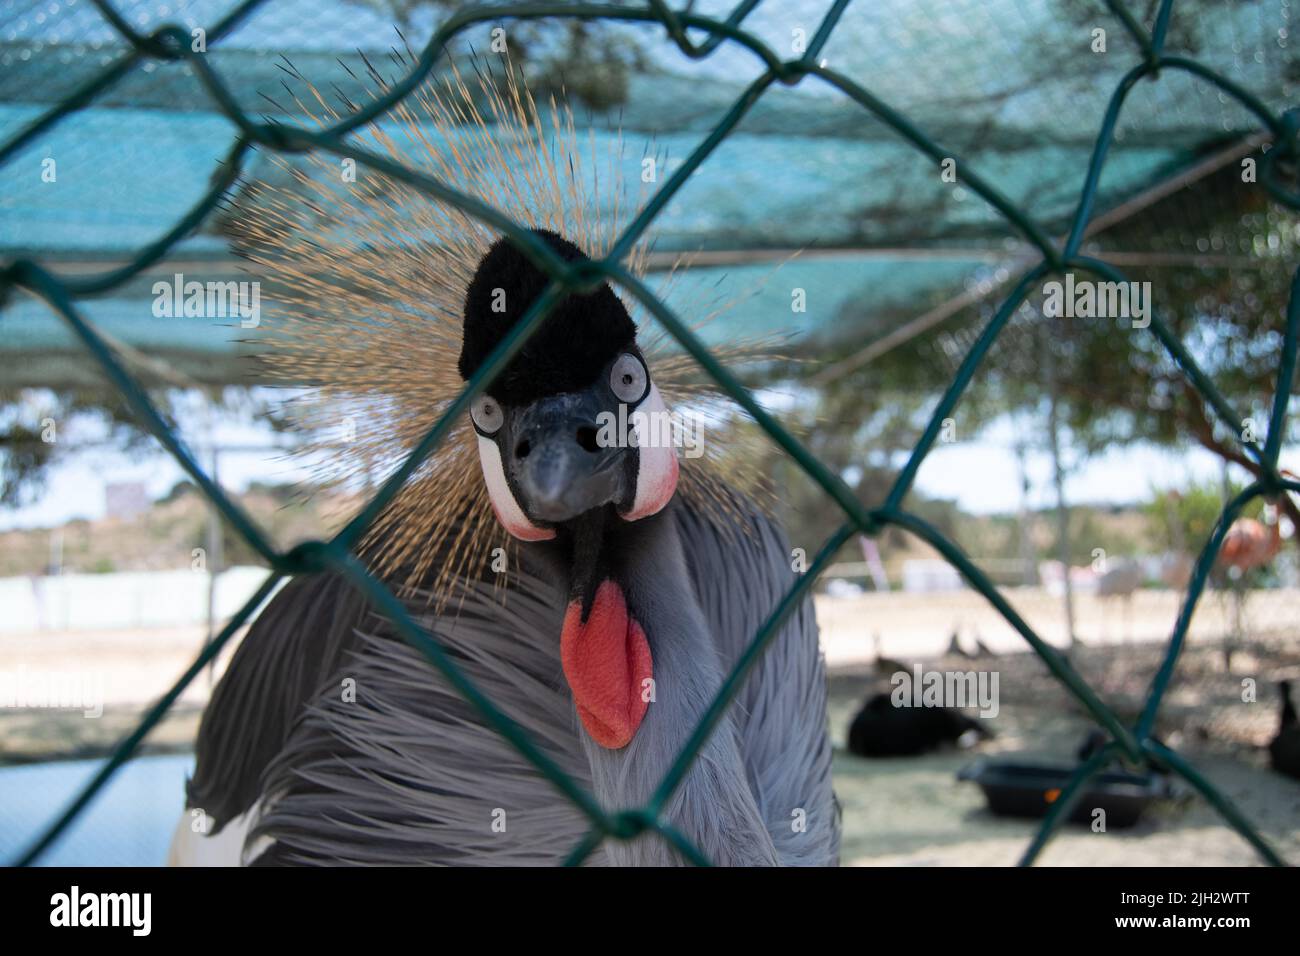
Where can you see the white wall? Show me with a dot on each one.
(137, 599)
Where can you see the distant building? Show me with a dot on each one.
(930, 575)
(125, 499)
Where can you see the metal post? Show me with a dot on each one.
(215, 559)
(1058, 481)
(1028, 566)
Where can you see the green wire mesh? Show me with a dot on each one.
(171, 43)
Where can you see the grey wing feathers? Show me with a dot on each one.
(409, 773)
(292, 648)
(740, 576)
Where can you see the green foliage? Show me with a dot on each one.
(177, 491)
(34, 433)
(1115, 385)
(1183, 518)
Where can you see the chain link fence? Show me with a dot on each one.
(697, 37)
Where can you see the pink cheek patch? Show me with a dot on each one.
(505, 506)
(656, 476)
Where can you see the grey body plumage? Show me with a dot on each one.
(409, 773)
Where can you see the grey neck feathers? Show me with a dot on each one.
(714, 804)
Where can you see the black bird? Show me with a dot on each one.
(982, 649)
(1284, 750)
(887, 667)
(1095, 739)
(882, 729)
(955, 649)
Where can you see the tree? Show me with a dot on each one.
(1224, 298)
(591, 60)
(34, 433)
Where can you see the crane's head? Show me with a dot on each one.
(571, 438)
(566, 428)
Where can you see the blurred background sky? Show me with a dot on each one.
(807, 170)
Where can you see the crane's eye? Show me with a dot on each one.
(486, 415)
(628, 379)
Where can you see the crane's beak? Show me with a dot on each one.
(558, 466)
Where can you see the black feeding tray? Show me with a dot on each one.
(1028, 790)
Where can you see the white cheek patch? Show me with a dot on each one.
(507, 509)
(656, 476)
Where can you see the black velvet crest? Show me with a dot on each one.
(580, 336)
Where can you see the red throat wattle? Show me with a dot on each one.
(606, 660)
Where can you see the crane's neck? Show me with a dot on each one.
(714, 805)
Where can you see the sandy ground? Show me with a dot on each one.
(912, 626)
(914, 811)
(902, 811)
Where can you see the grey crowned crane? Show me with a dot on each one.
(597, 591)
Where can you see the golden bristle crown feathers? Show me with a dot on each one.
(368, 278)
